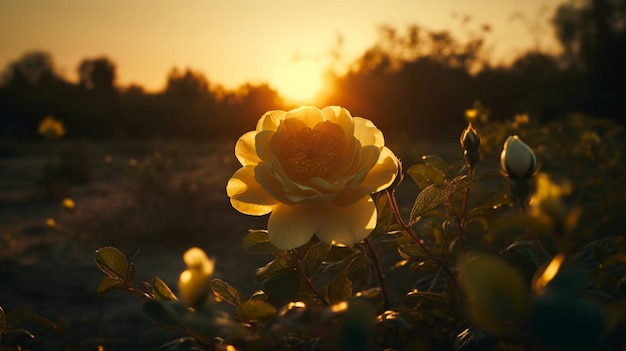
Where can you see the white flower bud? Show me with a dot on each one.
(518, 160)
(193, 284)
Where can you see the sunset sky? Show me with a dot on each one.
(235, 41)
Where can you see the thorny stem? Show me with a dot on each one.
(309, 283)
(380, 275)
(461, 221)
(407, 229)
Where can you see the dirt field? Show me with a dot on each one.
(49, 271)
(156, 197)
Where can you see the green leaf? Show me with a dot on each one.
(437, 163)
(167, 313)
(339, 253)
(429, 199)
(528, 250)
(427, 300)
(281, 264)
(385, 214)
(255, 310)
(388, 237)
(358, 270)
(112, 262)
(258, 242)
(259, 295)
(409, 250)
(226, 292)
(424, 175)
(495, 199)
(456, 168)
(161, 290)
(340, 287)
(108, 283)
(315, 256)
(496, 290)
(461, 182)
(282, 286)
(343, 263)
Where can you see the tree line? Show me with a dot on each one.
(412, 80)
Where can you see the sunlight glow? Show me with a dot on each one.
(549, 273)
(298, 81)
(339, 307)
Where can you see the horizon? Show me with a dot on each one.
(227, 42)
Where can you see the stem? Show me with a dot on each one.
(380, 275)
(407, 229)
(461, 221)
(143, 294)
(309, 283)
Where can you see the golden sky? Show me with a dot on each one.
(235, 41)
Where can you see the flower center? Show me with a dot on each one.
(309, 153)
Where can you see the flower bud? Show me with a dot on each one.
(470, 140)
(518, 160)
(193, 284)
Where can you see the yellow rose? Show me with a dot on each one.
(314, 171)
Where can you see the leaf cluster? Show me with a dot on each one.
(465, 266)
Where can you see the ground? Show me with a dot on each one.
(152, 199)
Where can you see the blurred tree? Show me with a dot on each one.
(244, 107)
(33, 69)
(31, 89)
(418, 81)
(186, 85)
(97, 75)
(593, 36)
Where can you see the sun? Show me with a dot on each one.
(298, 81)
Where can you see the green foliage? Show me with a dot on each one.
(226, 292)
(258, 242)
(461, 265)
(13, 336)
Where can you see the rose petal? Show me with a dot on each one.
(292, 226)
(347, 225)
(342, 117)
(270, 120)
(366, 132)
(273, 184)
(263, 141)
(245, 149)
(289, 126)
(246, 194)
(383, 173)
(349, 197)
(308, 114)
(357, 159)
